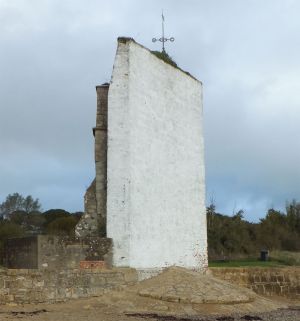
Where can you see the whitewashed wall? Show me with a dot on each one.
(156, 190)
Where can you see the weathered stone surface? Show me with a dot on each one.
(88, 224)
(283, 281)
(55, 252)
(21, 252)
(23, 286)
(93, 222)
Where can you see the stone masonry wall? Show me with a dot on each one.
(93, 221)
(21, 252)
(35, 286)
(62, 252)
(101, 156)
(55, 252)
(264, 281)
(88, 224)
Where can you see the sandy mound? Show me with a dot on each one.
(180, 285)
(183, 292)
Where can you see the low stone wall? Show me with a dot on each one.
(37, 286)
(265, 281)
(55, 252)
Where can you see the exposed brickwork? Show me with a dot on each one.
(92, 265)
(265, 281)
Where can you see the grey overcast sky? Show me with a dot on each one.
(246, 53)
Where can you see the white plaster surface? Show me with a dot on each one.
(156, 189)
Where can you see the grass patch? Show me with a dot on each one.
(246, 263)
(165, 57)
(286, 257)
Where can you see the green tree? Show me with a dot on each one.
(12, 203)
(18, 217)
(33, 222)
(270, 229)
(53, 214)
(293, 216)
(31, 205)
(16, 202)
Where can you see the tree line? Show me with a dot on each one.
(228, 236)
(233, 236)
(23, 216)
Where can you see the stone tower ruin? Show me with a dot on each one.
(149, 192)
(93, 222)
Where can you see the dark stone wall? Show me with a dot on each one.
(21, 253)
(101, 152)
(64, 252)
(55, 252)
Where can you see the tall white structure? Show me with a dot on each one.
(156, 213)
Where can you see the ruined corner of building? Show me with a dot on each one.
(93, 221)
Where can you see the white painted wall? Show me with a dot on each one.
(156, 191)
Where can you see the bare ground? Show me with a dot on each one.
(175, 295)
(94, 309)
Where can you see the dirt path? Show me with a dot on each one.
(93, 310)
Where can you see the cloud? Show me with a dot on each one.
(53, 53)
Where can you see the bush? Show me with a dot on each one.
(62, 226)
(54, 214)
(286, 257)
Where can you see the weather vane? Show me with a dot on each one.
(163, 39)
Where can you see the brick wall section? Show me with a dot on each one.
(264, 281)
(35, 286)
(92, 265)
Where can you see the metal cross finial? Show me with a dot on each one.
(163, 39)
